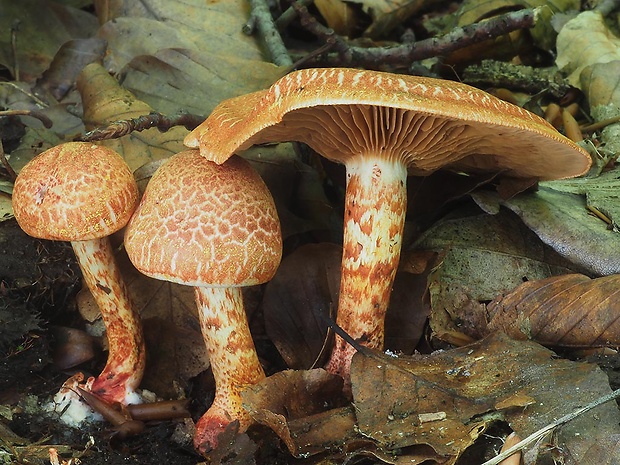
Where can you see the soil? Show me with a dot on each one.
(38, 284)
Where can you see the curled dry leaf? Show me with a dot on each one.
(105, 101)
(305, 409)
(583, 41)
(569, 311)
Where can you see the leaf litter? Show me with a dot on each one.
(155, 75)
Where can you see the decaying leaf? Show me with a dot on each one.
(305, 409)
(481, 256)
(305, 286)
(447, 399)
(561, 221)
(583, 41)
(567, 311)
(105, 101)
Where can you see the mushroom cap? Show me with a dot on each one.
(426, 123)
(203, 224)
(74, 191)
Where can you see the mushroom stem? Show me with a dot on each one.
(374, 218)
(233, 359)
(125, 365)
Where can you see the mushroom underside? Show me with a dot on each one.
(423, 142)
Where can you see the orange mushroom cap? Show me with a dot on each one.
(74, 191)
(202, 224)
(426, 123)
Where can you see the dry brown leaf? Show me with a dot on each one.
(105, 101)
(567, 311)
(447, 399)
(583, 41)
(305, 286)
(305, 409)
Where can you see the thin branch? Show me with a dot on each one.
(262, 21)
(153, 120)
(34, 113)
(403, 55)
(543, 431)
(290, 14)
(5, 163)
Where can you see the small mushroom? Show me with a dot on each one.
(214, 227)
(383, 126)
(82, 193)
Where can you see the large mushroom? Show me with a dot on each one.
(83, 193)
(214, 227)
(383, 126)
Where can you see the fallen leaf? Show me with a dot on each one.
(561, 221)
(105, 101)
(195, 81)
(602, 192)
(38, 41)
(466, 385)
(563, 311)
(306, 409)
(304, 287)
(388, 14)
(192, 24)
(583, 41)
(481, 257)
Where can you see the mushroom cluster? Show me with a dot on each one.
(213, 227)
(207, 220)
(83, 193)
(382, 127)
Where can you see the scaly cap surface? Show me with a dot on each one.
(203, 224)
(74, 191)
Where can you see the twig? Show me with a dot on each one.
(5, 163)
(290, 14)
(34, 113)
(153, 120)
(527, 78)
(405, 54)
(14, 29)
(262, 19)
(543, 431)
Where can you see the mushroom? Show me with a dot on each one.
(383, 126)
(81, 192)
(214, 227)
